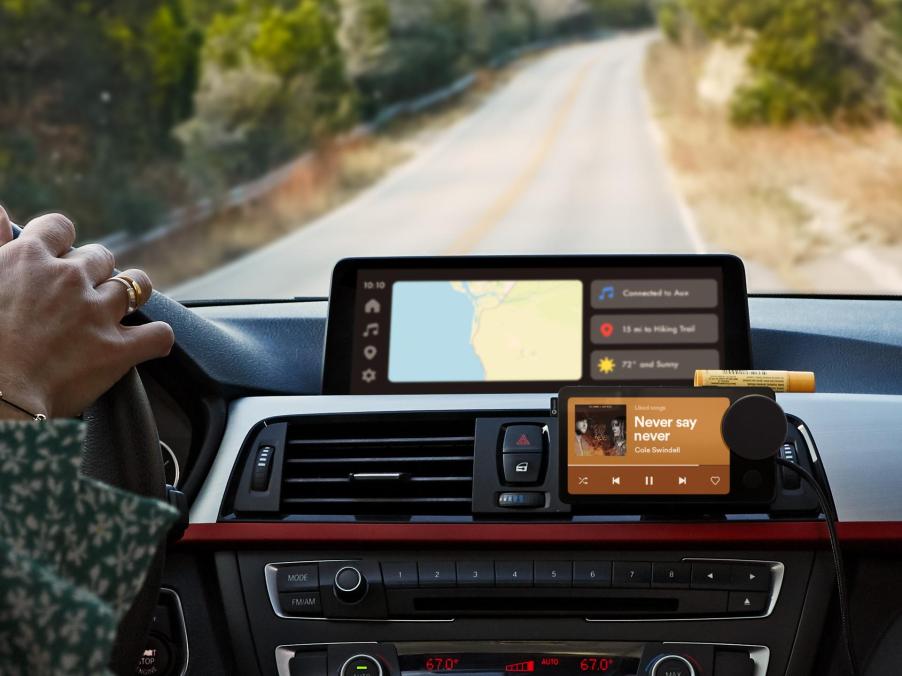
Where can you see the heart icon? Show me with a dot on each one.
(715, 480)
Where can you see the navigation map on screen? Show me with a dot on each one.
(478, 331)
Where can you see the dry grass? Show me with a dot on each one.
(338, 172)
(790, 199)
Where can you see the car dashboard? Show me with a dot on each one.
(380, 534)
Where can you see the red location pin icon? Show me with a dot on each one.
(606, 329)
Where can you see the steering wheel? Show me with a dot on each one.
(122, 448)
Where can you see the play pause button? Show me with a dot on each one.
(748, 603)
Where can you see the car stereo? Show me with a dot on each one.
(663, 444)
(532, 323)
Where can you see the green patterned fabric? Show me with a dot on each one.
(74, 552)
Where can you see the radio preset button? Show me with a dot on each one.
(631, 574)
(591, 573)
(437, 574)
(553, 573)
(400, 574)
(670, 575)
(513, 573)
(475, 574)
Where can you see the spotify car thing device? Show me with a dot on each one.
(669, 446)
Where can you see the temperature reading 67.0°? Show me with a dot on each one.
(441, 663)
(597, 664)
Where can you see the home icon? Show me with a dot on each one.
(372, 307)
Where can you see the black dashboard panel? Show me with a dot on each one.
(852, 345)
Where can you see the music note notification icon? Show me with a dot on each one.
(371, 329)
(606, 292)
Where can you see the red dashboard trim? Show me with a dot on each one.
(786, 534)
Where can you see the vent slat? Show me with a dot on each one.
(394, 441)
(347, 480)
(397, 458)
(333, 466)
(348, 501)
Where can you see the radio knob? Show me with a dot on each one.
(672, 665)
(362, 665)
(349, 585)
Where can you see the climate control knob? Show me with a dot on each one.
(361, 665)
(349, 585)
(671, 665)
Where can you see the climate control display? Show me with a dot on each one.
(490, 664)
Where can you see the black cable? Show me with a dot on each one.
(839, 569)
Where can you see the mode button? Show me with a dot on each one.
(298, 578)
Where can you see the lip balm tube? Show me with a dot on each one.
(778, 381)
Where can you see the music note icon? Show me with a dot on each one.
(606, 292)
(371, 329)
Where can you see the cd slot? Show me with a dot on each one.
(517, 605)
(640, 604)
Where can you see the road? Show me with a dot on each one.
(562, 159)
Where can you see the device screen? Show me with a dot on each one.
(646, 446)
(531, 329)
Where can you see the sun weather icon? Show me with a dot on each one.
(606, 365)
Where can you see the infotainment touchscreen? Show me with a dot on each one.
(532, 324)
(647, 446)
(660, 445)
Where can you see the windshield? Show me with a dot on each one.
(239, 148)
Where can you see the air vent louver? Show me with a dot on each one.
(385, 466)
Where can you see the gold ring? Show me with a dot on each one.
(130, 290)
(139, 292)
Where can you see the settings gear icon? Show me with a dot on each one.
(368, 375)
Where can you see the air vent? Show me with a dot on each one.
(379, 466)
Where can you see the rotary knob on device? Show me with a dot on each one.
(349, 585)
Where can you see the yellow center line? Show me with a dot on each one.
(469, 238)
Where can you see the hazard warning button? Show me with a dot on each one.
(523, 439)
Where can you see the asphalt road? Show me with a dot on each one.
(562, 159)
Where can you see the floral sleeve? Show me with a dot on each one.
(74, 552)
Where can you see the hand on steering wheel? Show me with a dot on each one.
(62, 343)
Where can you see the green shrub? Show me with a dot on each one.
(769, 100)
(670, 20)
(807, 59)
(90, 91)
(623, 13)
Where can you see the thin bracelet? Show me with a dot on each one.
(37, 417)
